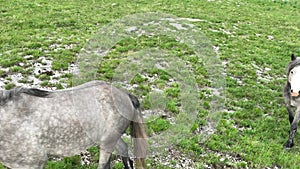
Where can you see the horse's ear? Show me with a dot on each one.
(293, 57)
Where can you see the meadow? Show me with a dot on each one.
(253, 40)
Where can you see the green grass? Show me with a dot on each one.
(250, 34)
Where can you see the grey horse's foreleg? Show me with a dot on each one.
(293, 129)
(27, 154)
(287, 100)
(291, 114)
(122, 149)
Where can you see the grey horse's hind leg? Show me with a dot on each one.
(122, 149)
(293, 129)
(104, 160)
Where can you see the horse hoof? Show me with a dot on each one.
(286, 148)
(288, 145)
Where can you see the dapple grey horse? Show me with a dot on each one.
(291, 96)
(36, 123)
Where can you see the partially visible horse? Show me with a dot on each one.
(36, 123)
(292, 98)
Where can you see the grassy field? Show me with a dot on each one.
(41, 40)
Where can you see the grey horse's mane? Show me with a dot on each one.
(134, 100)
(293, 64)
(6, 95)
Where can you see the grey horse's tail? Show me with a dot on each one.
(139, 135)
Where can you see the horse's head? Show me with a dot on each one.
(294, 75)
